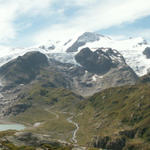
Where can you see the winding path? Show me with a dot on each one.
(69, 120)
(54, 113)
(74, 140)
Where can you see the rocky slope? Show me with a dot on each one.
(103, 68)
(23, 69)
(94, 73)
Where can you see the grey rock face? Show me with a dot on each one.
(143, 43)
(100, 142)
(128, 133)
(88, 83)
(24, 68)
(52, 47)
(99, 61)
(15, 110)
(102, 69)
(83, 39)
(147, 52)
(116, 144)
(146, 78)
(99, 70)
(109, 143)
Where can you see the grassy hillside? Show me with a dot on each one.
(5, 144)
(115, 116)
(46, 106)
(116, 113)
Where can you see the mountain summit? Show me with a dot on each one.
(134, 50)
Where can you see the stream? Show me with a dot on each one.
(69, 120)
(74, 140)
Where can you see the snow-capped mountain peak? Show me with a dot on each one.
(89, 37)
(132, 50)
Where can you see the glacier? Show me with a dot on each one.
(131, 49)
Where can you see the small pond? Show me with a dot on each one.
(4, 127)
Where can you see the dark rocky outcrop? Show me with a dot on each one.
(99, 61)
(52, 47)
(128, 133)
(147, 52)
(16, 109)
(116, 144)
(109, 143)
(28, 138)
(145, 78)
(100, 142)
(32, 139)
(23, 69)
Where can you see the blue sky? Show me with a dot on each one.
(139, 27)
(26, 23)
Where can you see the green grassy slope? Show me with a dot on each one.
(47, 106)
(114, 110)
(7, 145)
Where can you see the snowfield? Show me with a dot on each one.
(131, 49)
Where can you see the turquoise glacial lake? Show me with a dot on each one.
(4, 127)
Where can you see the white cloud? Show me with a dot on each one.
(56, 32)
(10, 10)
(90, 15)
(97, 15)
(33, 7)
(80, 2)
(7, 16)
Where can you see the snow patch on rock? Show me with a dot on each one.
(131, 49)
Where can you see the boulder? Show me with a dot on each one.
(147, 52)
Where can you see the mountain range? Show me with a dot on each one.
(134, 50)
(89, 91)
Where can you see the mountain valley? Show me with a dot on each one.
(89, 93)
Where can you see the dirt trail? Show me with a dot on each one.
(74, 140)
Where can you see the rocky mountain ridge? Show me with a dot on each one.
(94, 73)
(131, 49)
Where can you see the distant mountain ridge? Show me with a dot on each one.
(132, 49)
(81, 92)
